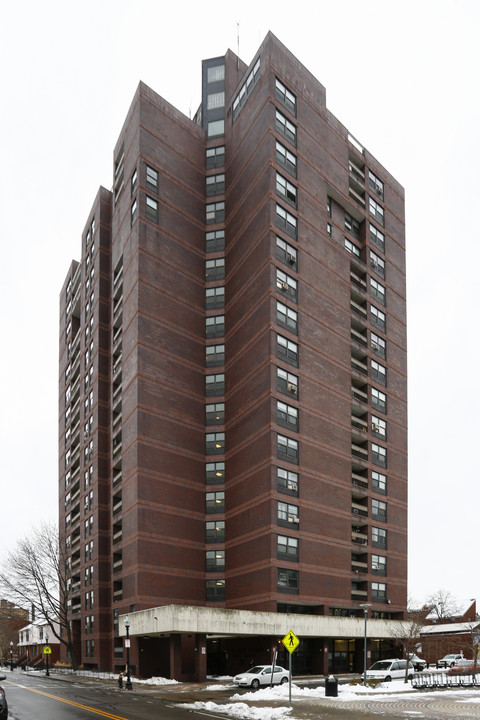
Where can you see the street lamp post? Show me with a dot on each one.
(128, 684)
(365, 607)
(46, 658)
(11, 656)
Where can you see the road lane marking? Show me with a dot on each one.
(71, 702)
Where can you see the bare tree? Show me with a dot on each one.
(36, 575)
(407, 635)
(442, 604)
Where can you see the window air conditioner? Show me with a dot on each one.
(292, 388)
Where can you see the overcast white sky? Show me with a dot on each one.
(402, 76)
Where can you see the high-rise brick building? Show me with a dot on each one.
(233, 384)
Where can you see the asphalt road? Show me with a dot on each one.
(35, 697)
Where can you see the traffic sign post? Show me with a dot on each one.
(291, 643)
(47, 651)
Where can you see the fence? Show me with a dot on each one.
(425, 680)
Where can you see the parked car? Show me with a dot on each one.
(417, 662)
(3, 702)
(262, 675)
(464, 667)
(450, 660)
(392, 669)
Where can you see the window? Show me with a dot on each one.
(287, 547)
(215, 73)
(377, 318)
(329, 206)
(379, 537)
(215, 502)
(215, 443)
(215, 473)
(215, 531)
(287, 513)
(287, 350)
(379, 455)
(215, 326)
(379, 400)
(215, 241)
(287, 317)
(214, 355)
(287, 415)
(151, 178)
(377, 264)
(285, 96)
(151, 208)
(286, 285)
(378, 345)
(287, 580)
(286, 221)
(286, 253)
(215, 384)
(118, 180)
(133, 211)
(287, 382)
(215, 414)
(352, 225)
(215, 269)
(287, 481)
(216, 100)
(286, 158)
(287, 449)
(377, 237)
(214, 298)
(379, 510)
(379, 565)
(379, 427)
(285, 127)
(377, 291)
(134, 182)
(214, 185)
(375, 184)
(286, 189)
(379, 591)
(215, 590)
(215, 157)
(379, 482)
(245, 90)
(214, 213)
(216, 127)
(378, 372)
(352, 248)
(215, 560)
(376, 211)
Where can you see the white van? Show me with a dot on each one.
(392, 669)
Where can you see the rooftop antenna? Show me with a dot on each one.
(238, 46)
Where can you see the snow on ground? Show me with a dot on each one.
(155, 681)
(242, 710)
(238, 707)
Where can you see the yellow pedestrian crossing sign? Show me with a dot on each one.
(47, 650)
(291, 641)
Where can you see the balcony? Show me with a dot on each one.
(117, 477)
(359, 566)
(360, 534)
(359, 426)
(359, 366)
(360, 510)
(359, 485)
(359, 337)
(358, 280)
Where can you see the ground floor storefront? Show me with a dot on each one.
(189, 643)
